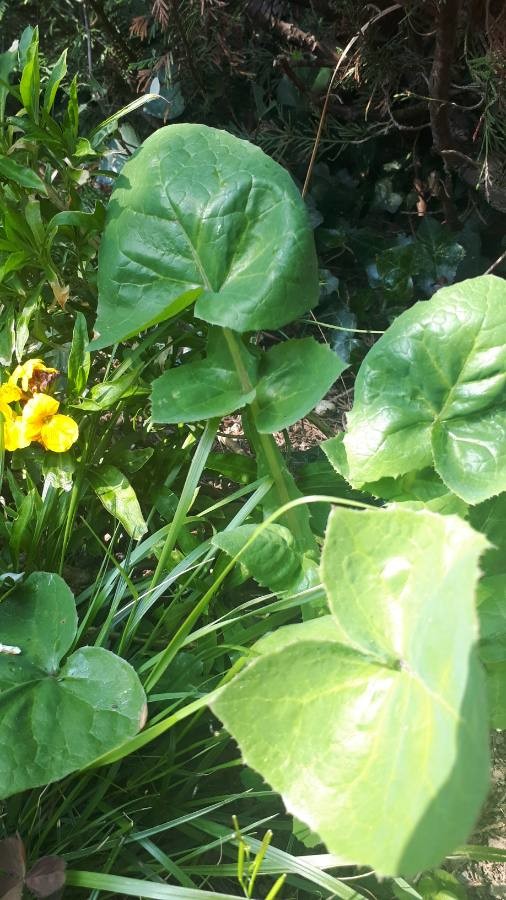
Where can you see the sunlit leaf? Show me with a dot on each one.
(431, 391)
(198, 214)
(339, 713)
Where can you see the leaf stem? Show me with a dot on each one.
(265, 442)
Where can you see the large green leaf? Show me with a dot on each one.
(432, 391)
(371, 722)
(54, 720)
(198, 213)
(421, 488)
(222, 383)
(293, 377)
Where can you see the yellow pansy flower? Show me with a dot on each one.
(33, 370)
(43, 423)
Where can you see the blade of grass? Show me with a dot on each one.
(136, 887)
(191, 483)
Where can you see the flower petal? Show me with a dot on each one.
(9, 393)
(15, 436)
(25, 372)
(36, 412)
(59, 433)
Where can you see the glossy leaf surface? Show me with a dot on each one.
(198, 213)
(431, 391)
(390, 685)
(293, 377)
(204, 389)
(56, 719)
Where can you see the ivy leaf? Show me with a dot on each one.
(381, 700)
(294, 376)
(56, 719)
(431, 392)
(198, 214)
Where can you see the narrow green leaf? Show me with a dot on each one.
(7, 64)
(71, 118)
(86, 221)
(137, 887)
(106, 394)
(78, 367)
(10, 170)
(58, 73)
(29, 86)
(7, 337)
(104, 128)
(23, 323)
(118, 497)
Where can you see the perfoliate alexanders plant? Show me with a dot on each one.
(369, 717)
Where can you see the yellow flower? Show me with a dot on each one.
(33, 370)
(9, 393)
(15, 434)
(43, 423)
(13, 427)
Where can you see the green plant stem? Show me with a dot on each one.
(266, 443)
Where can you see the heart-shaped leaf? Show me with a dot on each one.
(421, 489)
(198, 213)
(54, 720)
(431, 391)
(371, 722)
(46, 878)
(12, 868)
